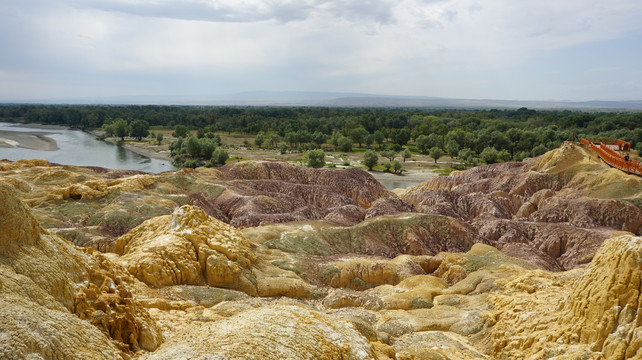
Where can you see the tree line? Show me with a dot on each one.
(491, 135)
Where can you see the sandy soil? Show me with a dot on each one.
(28, 140)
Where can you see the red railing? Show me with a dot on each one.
(613, 158)
(623, 145)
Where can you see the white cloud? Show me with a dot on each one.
(378, 46)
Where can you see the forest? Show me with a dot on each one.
(491, 135)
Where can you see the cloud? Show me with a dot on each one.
(203, 10)
(413, 47)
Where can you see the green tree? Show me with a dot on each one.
(159, 138)
(314, 158)
(389, 154)
(219, 156)
(467, 156)
(426, 142)
(489, 155)
(319, 138)
(422, 143)
(402, 137)
(193, 146)
(379, 138)
(139, 129)
(370, 159)
(274, 140)
(200, 133)
(503, 155)
(452, 148)
(358, 135)
(334, 139)
(345, 144)
(406, 155)
(109, 130)
(180, 131)
(538, 150)
(397, 167)
(436, 153)
(207, 148)
(521, 155)
(369, 139)
(120, 128)
(259, 139)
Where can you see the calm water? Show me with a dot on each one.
(398, 184)
(79, 148)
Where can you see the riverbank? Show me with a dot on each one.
(145, 149)
(33, 140)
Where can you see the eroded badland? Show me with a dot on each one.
(265, 260)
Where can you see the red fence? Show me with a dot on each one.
(614, 159)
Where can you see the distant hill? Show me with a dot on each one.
(300, 98)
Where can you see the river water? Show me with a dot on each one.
(80, 148)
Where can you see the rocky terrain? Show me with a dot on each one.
(267, 260)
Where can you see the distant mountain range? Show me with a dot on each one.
(332, 99)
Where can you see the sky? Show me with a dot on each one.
(492, 49)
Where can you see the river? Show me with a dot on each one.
(76, 147)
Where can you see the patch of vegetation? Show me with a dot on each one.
(146, 210)
(420, 303)
(286, 265)
(75, 212)
(444, 171)
(75, 236)
(116, 223)
(329, 273)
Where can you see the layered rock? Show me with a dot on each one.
(190, 247)
(58, 301)
(272, 332)
(357, 184)
(592, 313)
(388, 236)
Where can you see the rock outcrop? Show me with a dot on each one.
(59, 302)
(191, 248)
(589, 314)
(271, 332)
(548, 211)
(357, 184)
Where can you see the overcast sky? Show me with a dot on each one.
(493, 49)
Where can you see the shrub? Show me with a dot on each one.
(370, 159)
(489, 155)
(397, 167)
(192, 163)
(180, 131)
(219, 156)
(345, 144)
(116, 223)
(314, 158)
(436, 153)
(538, 150)
(521, 156)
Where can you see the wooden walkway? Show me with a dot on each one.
(611, 157)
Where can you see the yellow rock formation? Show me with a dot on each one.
(190, 247)
(592, 313)
(270, 332)
(59, 302)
